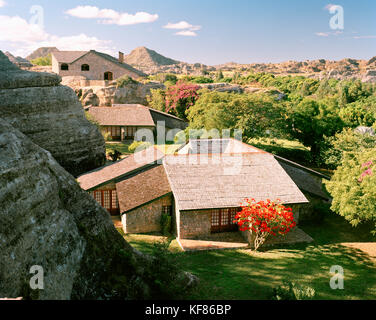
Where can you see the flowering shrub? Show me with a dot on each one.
(180, 97)
(264, 219)
(367, 167)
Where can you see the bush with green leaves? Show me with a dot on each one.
(353, 187)
(347, 141)
(124, 81)
(43, 61)
(293, 291)
(359, 113)
(138, 146)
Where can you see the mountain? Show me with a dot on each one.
(18, 61)
(146, 58)
(41, 52)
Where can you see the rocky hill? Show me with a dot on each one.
(41, 52)
(364, 70)
(18, 61)
(147, 58)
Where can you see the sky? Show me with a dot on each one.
(206, 31)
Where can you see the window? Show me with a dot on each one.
(130, 132)
(115, 132)
(222, 220)
(167, 210)
(85, 67)
(64, 67)
(107, 199)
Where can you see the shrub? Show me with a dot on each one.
(124, 81)
(107, 136)
(43, 61)
(293, 291)
(115, 156)
(138, 146)
(264, 219)
(353, 187)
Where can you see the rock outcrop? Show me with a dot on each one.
(133, 93)
(48, 221)
(51, 116)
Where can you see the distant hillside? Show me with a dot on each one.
(342, 69)
(144, 57)
(41, 52)
(18, 61)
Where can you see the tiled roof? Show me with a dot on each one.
(201, 181)
(68, 56)
(304, 180)
(225, 146)
(141, 188)
(122, 115)
(119, 169)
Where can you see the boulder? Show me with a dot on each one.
(49, 222)
(51, 116)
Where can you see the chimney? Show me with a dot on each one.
(121, 57)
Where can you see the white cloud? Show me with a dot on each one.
(25, 37)
(187, 29)
(109, 16)
(330, 6)
(16, 29)
(182, 25)
(2, 3)
(327, 34)
(322, 34)
(365, 37)
(186, 33)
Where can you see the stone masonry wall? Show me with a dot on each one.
(194, 224)
(146, 218)
(98, 66)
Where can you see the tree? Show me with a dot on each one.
(353, 187)
(254, 114)
(265, 219)
(347, 141)
(309, 120)
(180, 97)
(359, 113)
(219, 76)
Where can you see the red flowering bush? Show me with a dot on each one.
(264, 219)
(180, 97)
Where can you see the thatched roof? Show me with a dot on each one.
(143, 187)
(201, 181)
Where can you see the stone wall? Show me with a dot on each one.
(98, 66)
(194, 224)
(146, 218)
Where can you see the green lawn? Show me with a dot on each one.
(243, 274)
(122, 147)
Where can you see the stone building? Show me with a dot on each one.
(202, 186)
(121, 122)
(92, 65)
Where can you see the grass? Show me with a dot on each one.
(246, 275)
(124, 148)
(121, 147)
